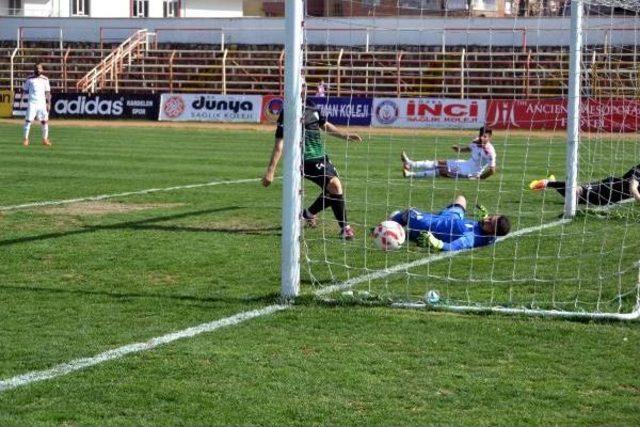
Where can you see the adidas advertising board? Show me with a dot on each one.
(105, 106)
(6, 103)
(210, 108)
(20, 104)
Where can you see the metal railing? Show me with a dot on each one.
(110, 67)
(394, 73)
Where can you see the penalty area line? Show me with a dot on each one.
(117, 353)
(129, 193)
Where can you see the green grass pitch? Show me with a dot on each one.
(80, 279)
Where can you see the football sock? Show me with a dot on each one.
(45, 130)
(27, 128)
(423, 164)
(425, 173)
(339, 209)
(318, 205)
(558, 185)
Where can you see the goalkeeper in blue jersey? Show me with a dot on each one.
(449, 230)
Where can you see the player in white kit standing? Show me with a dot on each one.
(37, 88)
(481, 164)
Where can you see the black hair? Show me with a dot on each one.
(485, 130)
(503, 226)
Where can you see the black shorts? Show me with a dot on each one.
(609, 190)
(319, 171)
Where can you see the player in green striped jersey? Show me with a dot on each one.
(316, 166)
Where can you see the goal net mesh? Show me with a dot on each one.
(370, 76)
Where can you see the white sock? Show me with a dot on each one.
(423, 164)
(45, 130)
(425, 173)
(27, 128)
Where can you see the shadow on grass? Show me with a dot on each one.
(265, 231)
(269, 298)
(316, 282)
(148, 224)
(306, 298)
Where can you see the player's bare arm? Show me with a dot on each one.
(634, 186)
(460, 200)
(487, 172)
(47, 97)
(460, 149)
(267, 179)
(333, 131)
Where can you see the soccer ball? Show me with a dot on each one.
(432, 297)
(388, 235)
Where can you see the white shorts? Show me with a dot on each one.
(462, 168)
(37, 111)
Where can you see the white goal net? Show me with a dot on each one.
(421, 80)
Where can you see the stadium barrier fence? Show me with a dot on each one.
(485, 73)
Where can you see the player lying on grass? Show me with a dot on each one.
(449, 230)
(38, 92)
(316, 167)
(481, 165)
(604, 192)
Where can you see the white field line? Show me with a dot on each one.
(78, 364)
(129, 193)
(117, 353)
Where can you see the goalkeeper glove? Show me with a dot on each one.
(428, 240)
(481, 212)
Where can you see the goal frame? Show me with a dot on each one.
(291, 204)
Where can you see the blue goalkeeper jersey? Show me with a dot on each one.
(450, 226)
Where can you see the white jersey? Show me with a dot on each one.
(481, 158)
(36, 87)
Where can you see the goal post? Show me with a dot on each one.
(573, 111)
(564, 108)
(291, 187)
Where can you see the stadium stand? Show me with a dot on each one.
(477, 72)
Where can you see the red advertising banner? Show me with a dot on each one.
(618, 115)
(615, 115)
(527, 114)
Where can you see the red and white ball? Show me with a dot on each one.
(388, 235)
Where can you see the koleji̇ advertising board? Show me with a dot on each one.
(211, 108)
(428, 113)
(344, 111)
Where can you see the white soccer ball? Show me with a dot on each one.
(388, 235)
(432, 297)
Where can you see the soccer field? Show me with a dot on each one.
(80, 279)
